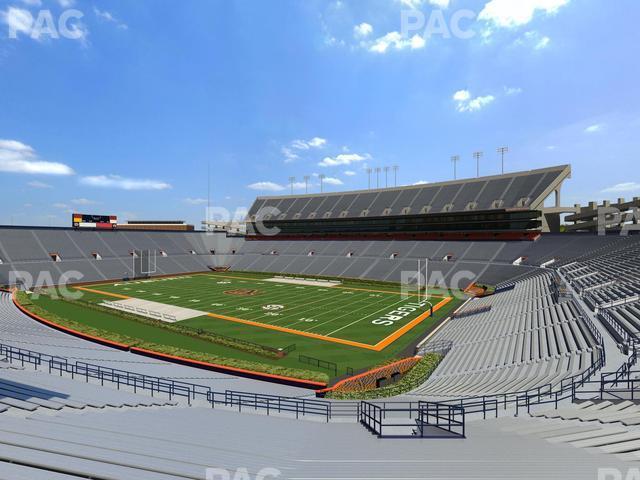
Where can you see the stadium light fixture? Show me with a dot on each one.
(378, 177)
(386, 177)
(306, 183)
(477, 156)
(369, 170)
(502, 151)
(395, 175)
(455, 159)
(322, 176)
(291, 181)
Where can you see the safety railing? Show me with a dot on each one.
(172, 388)
(412, 419)
(445, 421)
(270, 403)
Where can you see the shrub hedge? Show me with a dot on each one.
(411, 380)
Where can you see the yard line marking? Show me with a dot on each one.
(338, 286)
(295, 332)
(367, 316)
(351, 311)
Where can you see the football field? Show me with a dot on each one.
(367, 316)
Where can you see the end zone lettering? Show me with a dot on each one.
(399, 313)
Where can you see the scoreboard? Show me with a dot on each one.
(102, 222)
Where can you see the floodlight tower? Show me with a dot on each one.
(395, 175)
(378, 177)
(291, 181)
(369, 170)
(477, 156)
(502, 151)
(455, 159)
(386, 177)
(306, 183)
(322, 176)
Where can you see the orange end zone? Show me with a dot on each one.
(381, 345)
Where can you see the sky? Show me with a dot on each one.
(121, 107)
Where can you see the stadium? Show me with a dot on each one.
(390, 328)
(319, 240)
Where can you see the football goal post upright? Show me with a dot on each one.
(419, 273)
(144, 263)
(426, 279)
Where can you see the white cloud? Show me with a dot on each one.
(462, 95)
(466, 103)
(83, 201)
(420, 182)
(542, 43)
(289, 155)
(395, 41)
(195, 201)
(515, 13)
(60, 205)
(343, 159)
(32, 3)
(363, 30)
(66, 3)
(109, 17)
(593, 128)
(17, 157)
(415, 4)
(510, 91)
(38, 184)
(122, 183)
(332, 181)
(624, 187)
(534, 40)
(315, 142)
(289, 152)
(349, 173)
(267, 186)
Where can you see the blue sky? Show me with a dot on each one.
(124, 117)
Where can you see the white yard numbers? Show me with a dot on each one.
(271, 308)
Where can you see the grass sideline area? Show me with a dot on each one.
(199, 338)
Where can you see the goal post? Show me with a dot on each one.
(144, 262)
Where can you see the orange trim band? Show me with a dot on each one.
(109, 294)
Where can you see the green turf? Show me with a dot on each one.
(352, 312)
(356, 311)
